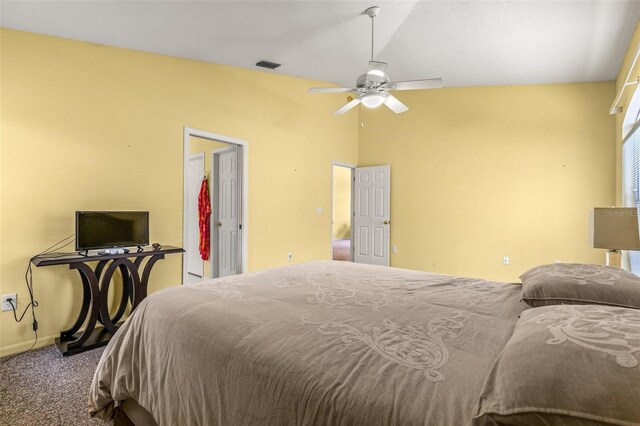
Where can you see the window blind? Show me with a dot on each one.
(631, 184)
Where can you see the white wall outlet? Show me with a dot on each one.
(289, 256)
(557, 261)
(394, 249)
(505, 260)
(319, 210)
(6, 306)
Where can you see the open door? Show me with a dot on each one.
(372, 206)
(228, 195)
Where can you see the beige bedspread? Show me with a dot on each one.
(320, 343)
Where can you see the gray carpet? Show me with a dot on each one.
(341, 249)
(42, 387)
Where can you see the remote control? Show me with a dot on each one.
(113, 251)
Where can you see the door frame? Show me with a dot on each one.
(214, 195)
(189, 132)
(351, 208)
(198, 156)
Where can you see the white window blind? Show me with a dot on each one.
(631, 184)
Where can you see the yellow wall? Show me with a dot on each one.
(197, 145)
(86, 126)
(341, 202)
(478, 173)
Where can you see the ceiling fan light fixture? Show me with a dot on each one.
(372, 100)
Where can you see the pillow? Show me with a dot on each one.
(576, 283)
(566, 364)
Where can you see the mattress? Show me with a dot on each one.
(319, 343)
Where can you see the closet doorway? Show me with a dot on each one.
(195, 264)
(215, 206)
(342, 175)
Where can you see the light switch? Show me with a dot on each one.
(319, 210)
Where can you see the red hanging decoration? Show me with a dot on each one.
(204, 212)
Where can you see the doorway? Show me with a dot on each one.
(215, 175)
(341, 211)
(195, 264)
(360, 213)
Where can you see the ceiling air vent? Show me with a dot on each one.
(267, 64)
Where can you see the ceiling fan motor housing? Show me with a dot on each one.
(372, 11)
(370, 81)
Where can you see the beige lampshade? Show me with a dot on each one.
(614, 228)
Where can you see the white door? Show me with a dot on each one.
(372, 193)
(228, 213)
(195, 264)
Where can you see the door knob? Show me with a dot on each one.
(219, 224)
(387, 222)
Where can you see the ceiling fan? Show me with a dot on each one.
(373, 87)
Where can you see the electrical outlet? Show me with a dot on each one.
(6, 306)
(289, 256)
(505, 260)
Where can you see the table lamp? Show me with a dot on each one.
(614, 229)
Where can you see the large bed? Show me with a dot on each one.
(319, 343)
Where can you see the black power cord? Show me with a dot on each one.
(28, 277)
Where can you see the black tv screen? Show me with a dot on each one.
(106, 229)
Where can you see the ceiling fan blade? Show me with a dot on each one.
(394, 104)
(348, 106)
(377, 68)
(432, 83)
(330, 89)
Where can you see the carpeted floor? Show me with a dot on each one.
(42, 387)
(341, 249)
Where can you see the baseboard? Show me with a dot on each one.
(21, 347)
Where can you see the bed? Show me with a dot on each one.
(319, 343)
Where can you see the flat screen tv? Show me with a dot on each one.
(106, 229)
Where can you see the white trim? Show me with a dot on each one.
(187, 133)
(341, 164)
(353, 168)
(615, 109)
(631, 116)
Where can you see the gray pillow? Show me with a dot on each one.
(576, 283)
(566, 364)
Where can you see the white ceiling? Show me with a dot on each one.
(468, 43)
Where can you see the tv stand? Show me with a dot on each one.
(95, 285)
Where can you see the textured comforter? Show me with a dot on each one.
(320, 343)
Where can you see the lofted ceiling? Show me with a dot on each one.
(468, 43)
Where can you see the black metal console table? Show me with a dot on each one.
(95, 284)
